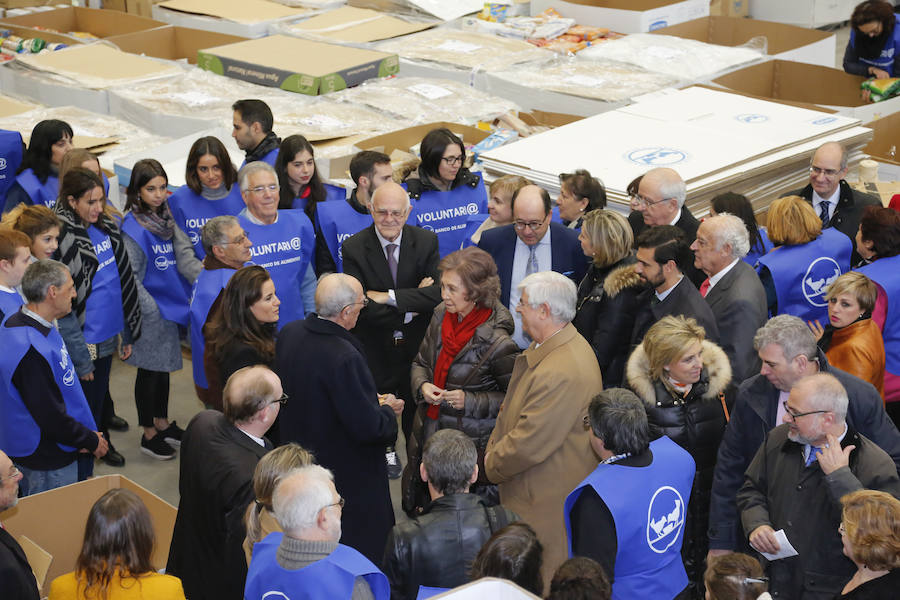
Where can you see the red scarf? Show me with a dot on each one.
(455, 334)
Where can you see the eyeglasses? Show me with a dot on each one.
(282, 401)
(14, 472)
(644, 201)
(261, 189)
(341, 502)
(795, 415)
(364, 302)
(532, 225)
(382, 213)
(452, 161)
(239, 240)
(826, 172)
(586, 421)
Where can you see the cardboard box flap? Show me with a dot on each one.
(102, 23)
(405, 139)
(239, 11)
(547, 119)
(883, 146)
(800, 82)
(172, 43)
(357, 25)
(39, 559)
(734, 31)
(11, 106)
(99, 65)
(281, 52)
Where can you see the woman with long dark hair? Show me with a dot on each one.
(37, 180)
(115, 562)
(106, 303)
(158, 252)
(209, 191)
(873, 49)
(301, 186)
(242, 332)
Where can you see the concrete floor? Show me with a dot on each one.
(161, 476)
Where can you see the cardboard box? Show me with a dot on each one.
(354, 26)
(55, 520)
(9, 4)
(783, 41)
(11, 106)
(175, 126)
(884, 146)
(246, 18)
(30, 85)
(405, 139)
(626, 16)
(296, 65)
(800, 82)
(538, 118)
(47, 36)
(102, 23)
(803, 13)
(729, 8)
(172, 43)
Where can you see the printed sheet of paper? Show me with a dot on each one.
(786, 550)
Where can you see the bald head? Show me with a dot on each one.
(249, 396)
(340, 298)
(531, 213)
(827, 168)
(661, 195)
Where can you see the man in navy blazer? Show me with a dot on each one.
(531, 244)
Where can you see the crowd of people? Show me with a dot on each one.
(593, 406)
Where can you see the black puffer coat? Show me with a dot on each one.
(607, 305)
(485, 390)
(696, 423)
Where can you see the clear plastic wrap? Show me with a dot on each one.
(353, 26)
(463, 49)
(674, 56)
(325, 119)
(130, 139)
(601, 80)
(427, 100)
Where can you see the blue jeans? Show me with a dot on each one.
(35, 482)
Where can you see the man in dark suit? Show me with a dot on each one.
(531, 244)
(662, 253)
(836, 203)
(397, 267)
(218, 456)
(660, 201)
(335, 411)
(16, 578)
(732, 289)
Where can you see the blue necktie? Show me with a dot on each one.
(532, 266)
(812, 455)
(823, 213)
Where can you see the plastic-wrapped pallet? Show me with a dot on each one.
(324, 119)
(678, 57)
(601, 80)
(427, 100)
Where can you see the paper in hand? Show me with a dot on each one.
(786, 550)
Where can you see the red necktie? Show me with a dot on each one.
(704, 287)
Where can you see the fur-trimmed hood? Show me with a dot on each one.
(715, 377)
(621, 278)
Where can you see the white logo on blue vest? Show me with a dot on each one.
(665, 519)
(195, 237)
(295, 243)
(656, 156)
(821, 273)
(2, 163)
(751, 118)
(275, 595)
(69, 375)
(161, 262)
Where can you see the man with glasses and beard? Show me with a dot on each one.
(529, 245)
(795, 484)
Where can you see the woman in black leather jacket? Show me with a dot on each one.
(685, 383)
(607, 294)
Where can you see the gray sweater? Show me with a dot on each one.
(295, 554)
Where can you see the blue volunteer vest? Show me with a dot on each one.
(427, 592)
(447, 213)
(10, 159)
(802, 273)
(270, 158)
(754, 254)
(648, 505)
(885, 60)
(9, 303)
(191, 211)
(338, 221)
(161, 277)
(331, 578)
(472, 226)
(19, 434)
(284, 249)
(886, 273)
(207, 288)
(40, 193)
(103, 313)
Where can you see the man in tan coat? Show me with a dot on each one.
(540, 448)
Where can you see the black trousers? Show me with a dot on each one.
(96, 391)
(151, 396)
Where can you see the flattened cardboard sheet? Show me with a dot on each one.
(38, 558)
(93, 64)
(10, 106)
(239, 11)
(349, 24)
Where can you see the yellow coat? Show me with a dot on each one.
(151, 586)
(540, 449)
